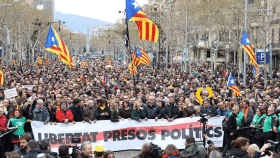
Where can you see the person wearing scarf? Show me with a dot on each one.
(103, 111)
(247, 119)
(171, 152)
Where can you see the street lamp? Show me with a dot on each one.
(60, 22)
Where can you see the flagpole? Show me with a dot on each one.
(245, 54)
(127, 44)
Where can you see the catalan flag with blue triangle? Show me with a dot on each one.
(232, 85)
(249, 49)
(146, 28)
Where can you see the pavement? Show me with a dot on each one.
(126, 154)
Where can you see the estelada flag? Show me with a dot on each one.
(105, 79)
(140, 56)
(1, 78)
(56, 45)
(232, 85)
(249, 49)
(146, 28)
(39, 60)
(132, 68)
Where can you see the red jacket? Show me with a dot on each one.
(3, 123)
(60, 116)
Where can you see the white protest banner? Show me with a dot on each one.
(130, 134)
(28, 86)
(9, 93)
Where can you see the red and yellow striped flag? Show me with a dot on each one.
(47, 61)
(132, 68)
(39, 60)
(146, 28)
(1, 78)
(13, 62)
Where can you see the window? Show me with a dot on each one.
(250, 1)
(221, 53)
(208, 53)
(205, 36)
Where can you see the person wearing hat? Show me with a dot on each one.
(77, 110)
(98, 150)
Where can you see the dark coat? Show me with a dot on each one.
(77, 113)
(152, 111)
(100, 111)
(89, 114)
(212, 111)
(125, 113)
(52, 112)
(248, 121)
(238, 152)
(32, 154)
(114, 116)
(231, 124)
(170, 111)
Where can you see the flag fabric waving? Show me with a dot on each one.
(1, 78)
(122, 55)
(248, 48)
(224, 72)
(231, 85)
(254, 71)
(107, 58)
(105, 79)
(132, 68)
(146, 28)
(140, 56)
(56, 45)
(39, 60)
(47, 61)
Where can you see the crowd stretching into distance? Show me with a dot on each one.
(64, 95)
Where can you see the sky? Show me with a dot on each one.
(106, 10)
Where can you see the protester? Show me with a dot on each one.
(40, 113)
(257, 125)
(171, 151)
(239, 148)
(138, 113)
(103, 111)
(208, 109)
(63, 114)
(89, 112)
(3, 130)
(77, 110)
(193, 150)
(32, 147)
(125, 111)
(45, 147)
(109, 154)
(171, 110)
(153, 111)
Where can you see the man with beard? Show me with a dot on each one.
(24, 139)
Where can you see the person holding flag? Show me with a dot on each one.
(231, 85)
(248, 48)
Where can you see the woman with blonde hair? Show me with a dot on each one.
(137, 112)
(171, 151)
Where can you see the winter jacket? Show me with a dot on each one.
(77, 112)
(186, 111)
(223, 112)
(51, 154)
(125, 113)
(209, 111)
(247, 122)
(21, 151)
(89, 114)
(238, 153)
(10, 109)
(114, 116)
(41, 115)
(99, 111)
(52, 112)
(3, 123)
(152, 111)
(32, 154)
(138, 114)
(170, 111)
(231, 124)
(202, 153)
(61, 116)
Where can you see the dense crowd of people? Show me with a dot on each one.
(63, 95)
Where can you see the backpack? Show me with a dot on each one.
(224, 124)
(190, 154)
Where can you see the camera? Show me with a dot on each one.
(273, 147)
(156, 151)
(75, 147)
(203, 118)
